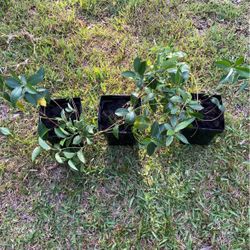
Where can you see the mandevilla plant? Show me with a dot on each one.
(167, 107)
(160, 107)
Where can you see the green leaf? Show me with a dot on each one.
(183, 124)
(32, 99)
(137, 63)
(68, 155)
(142, 68)
(115, 131)
(223, 64)
(218, 104)
(244, 72)
(5, 131)
(43, 144)
(72, 165)
(42, 129)
(141, 122)
(16, 94)
(196, 106)
(239, 61)
(89, 142)
(170, 132)
(130, 117)
(182, 138)
(155, 130)
(129, 74)
(12, 83)
(121, 112)
(37, 77)
(77, 140)
(30, 89)
(81, 156)
(173, 121)
(36, 152)
(151, 148)
(59, 133)
(90, 129)
(59, 159)
(169, 140)
(176, 99)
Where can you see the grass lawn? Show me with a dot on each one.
(186, 197)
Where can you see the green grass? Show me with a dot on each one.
(184, 197)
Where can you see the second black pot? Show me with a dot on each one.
(53, 110)
(203, 131)
(107, 107)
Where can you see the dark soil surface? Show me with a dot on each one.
(213, 118)
(55, 108)
(108, 117)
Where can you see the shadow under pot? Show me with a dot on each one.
(203, 130)
(106, 117)
(48, 115)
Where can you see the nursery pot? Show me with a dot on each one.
(53, 110)
(107, 107)
(202, 132)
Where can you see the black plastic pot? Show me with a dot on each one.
(53, 110)
(203, 131)
(107, 107)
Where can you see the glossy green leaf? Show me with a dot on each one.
(36, 152)
(196, 106)
(12, 83)
(72, 165)
(182, 138)
(43, 144)
(170, 132)
(16, 94)
(89, 141)
(59, 159)
(5, 131)
(129, 74)
(32, 99)
(155, 130)
(68, 155)
(176, 99)
(137, 63)
(142, 68)
(169, 140)
(223, 64)
(81, 156)
(37, 77)
(141, 122)
(77, 140)
(121, 112)
(59, 133)
(42, 129)
(183, 124)
(130, 117)
(151, 147)
(115, 131)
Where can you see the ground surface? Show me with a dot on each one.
(182, 198)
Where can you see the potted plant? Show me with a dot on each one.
(211, 121)
(111, 107)
(48, 115)
(168, 110)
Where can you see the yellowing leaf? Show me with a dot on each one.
(42, 102)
